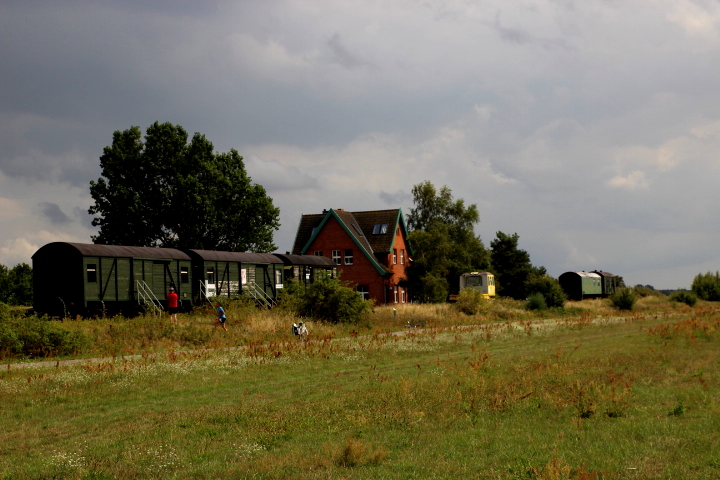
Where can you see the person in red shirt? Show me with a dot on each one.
(172, 303)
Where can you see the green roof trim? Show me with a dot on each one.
(400, 223)
(331, 214)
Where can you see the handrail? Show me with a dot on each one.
(260, 294)
(148, 297)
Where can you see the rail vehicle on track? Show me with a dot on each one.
(72, 279)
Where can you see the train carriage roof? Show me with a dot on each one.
(99, 250)
(242, 257)
(310, 260)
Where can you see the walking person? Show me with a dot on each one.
(172, 303)
(221, 318)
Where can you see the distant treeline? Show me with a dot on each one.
(16, 284)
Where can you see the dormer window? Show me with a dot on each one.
(380, 229)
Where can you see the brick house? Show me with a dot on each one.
(370, 249)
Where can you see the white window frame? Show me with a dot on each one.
(348, 258)
(395, 294)
(363, 291)
(395, 257)
(402, 256)
(336, 257)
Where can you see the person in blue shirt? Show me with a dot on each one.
(221, 317)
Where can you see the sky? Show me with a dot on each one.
(591, 128)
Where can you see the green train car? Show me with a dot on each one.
(86, 279)
(580, 285)
(228, 274)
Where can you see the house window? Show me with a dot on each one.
(402, 256)
(364, 291)
(91, 273)
(403, 295)
(395, 293)
(336, 257)
(395, 256)
(318, 253)
(184, 275)
(349, 257)
(380, 229)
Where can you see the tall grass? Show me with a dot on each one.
(593, 395)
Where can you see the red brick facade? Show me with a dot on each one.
(373, 263)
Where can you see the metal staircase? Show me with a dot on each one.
(254, 290)
(147, 298)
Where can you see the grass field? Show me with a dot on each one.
(590, 395)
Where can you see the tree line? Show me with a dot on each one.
(165, 189)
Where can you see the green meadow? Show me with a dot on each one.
(583, 393)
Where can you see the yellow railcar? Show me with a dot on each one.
(483, 281)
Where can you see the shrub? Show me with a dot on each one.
(35, 337)
(646, 291)
(707, 286)
(549, 288)
(327, 299)
(623, 299)
(471, 302)
(536, 301)
(682, 296)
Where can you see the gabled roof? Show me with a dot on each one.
(359, 226)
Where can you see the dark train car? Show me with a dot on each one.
(229, 274)
(86, 279)
(304, 268)
(608, 282)
(580, 285)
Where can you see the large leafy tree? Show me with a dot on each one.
(165, 192)
(444, 243)
(512, 266)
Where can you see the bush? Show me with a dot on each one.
(549, 288)
(707, 286)
(35, 337)
(682, 296)
(326, 299)
(536, 301)
(645, 291)
(471, 302)
(623, 299)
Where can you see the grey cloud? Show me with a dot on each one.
(395, 199)
(522, 37)
(52, 212)
(342, 55)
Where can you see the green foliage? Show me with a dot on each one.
(326, 299)
(471, 302)
(165, 192)
(536, 301)
(646, 291)
(549, 288)
(443, 241)
(512, 266)
(35, 337)
(623, 299)
(16, 284)
(707, 286)
(682, 296)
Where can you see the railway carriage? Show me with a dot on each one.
(228, 274)
(86, 279)
(580, 285)
(304, 268)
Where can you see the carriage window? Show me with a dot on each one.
(211, 275)
(184, 275)
(91, 273)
